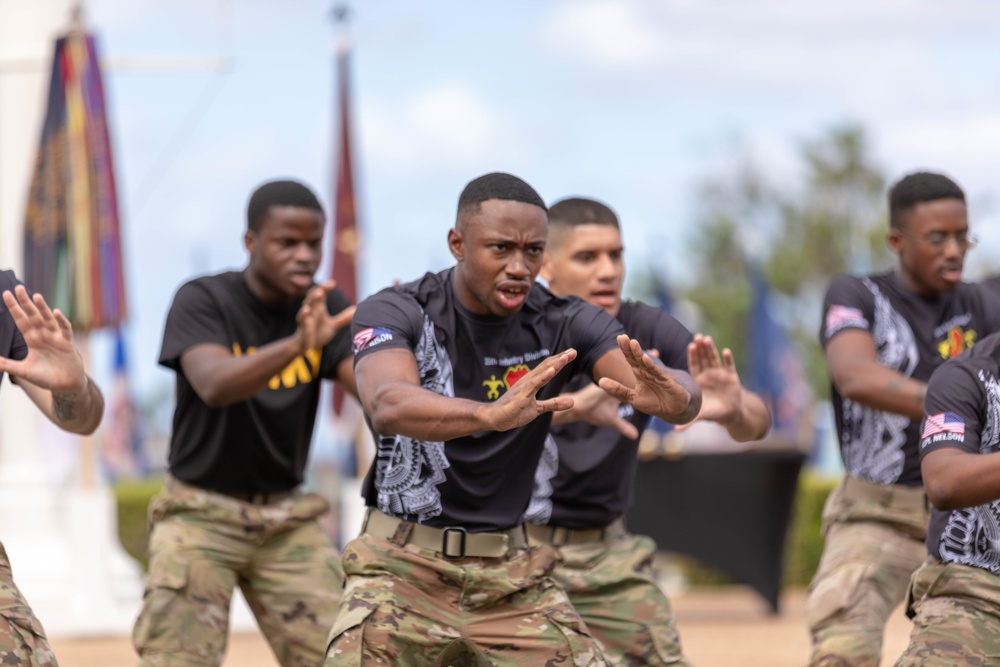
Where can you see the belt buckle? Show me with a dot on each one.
(445, 532)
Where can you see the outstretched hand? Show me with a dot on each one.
(598, 408)
(316, 326)
(657, 391)
(722, 392)
(726, 401)
(53, 362)
(520, 405)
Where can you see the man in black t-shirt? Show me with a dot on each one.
(883, 335)
(584, 483)
(38, 352)
(248, 349)
(459, 373)
(955, 595)
(993, 282)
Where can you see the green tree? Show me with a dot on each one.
(800, 232)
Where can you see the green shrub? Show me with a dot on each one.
(804, 543)
(133, 498)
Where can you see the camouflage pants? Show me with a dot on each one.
(203, 544)
(612, 586)
(957, 617)
(22, 640)
(874, 542)
(407, 606)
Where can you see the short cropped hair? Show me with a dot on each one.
(496, 185)
(278, 193)
(574, 211)
(916, 188)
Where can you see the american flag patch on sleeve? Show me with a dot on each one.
(837, 317)
(943, 422)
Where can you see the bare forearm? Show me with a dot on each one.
(75, 410)
(694, 399)
(78, 411)
(224, 379)
(885, 389)
(955, 479)
(401, 409)
(751, 422)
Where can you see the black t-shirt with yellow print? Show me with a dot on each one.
(257, 445)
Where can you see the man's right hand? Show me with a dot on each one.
(316, 325)
(519, 405)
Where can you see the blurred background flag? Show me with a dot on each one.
(665, 300)
(345, 230)
(121, 453)
(72, 239)
(72, 250)
(774, 369)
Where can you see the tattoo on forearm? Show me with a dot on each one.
(64, 405)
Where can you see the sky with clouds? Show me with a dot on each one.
(635, 102)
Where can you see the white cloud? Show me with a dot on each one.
(857, 47)
(930, 141)
(446, 123)
(606, 33)
(455, 119)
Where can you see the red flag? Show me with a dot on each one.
(345, 228)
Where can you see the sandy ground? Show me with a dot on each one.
(720, 627)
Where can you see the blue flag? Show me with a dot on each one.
(774, 369)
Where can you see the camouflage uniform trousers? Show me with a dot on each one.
(22, 640)
(404, 605)
(613, 587)
(956, 611)
(203, 544)
(874, 542)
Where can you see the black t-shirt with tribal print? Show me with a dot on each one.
(962, 411)
(913, 334)
(481, 482)
(586, 476)
(257, 445)
(12, 345)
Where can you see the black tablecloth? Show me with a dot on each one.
(730, 511)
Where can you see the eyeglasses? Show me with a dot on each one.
(938, 240)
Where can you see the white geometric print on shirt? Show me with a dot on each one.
(972, 535)
(873, 440)
(540, 507)
(407, 471)
(990, 437)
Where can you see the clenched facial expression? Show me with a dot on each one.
(499, 251)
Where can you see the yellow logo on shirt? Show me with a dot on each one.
(956, 341)
(303, 369)
(510, 376)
